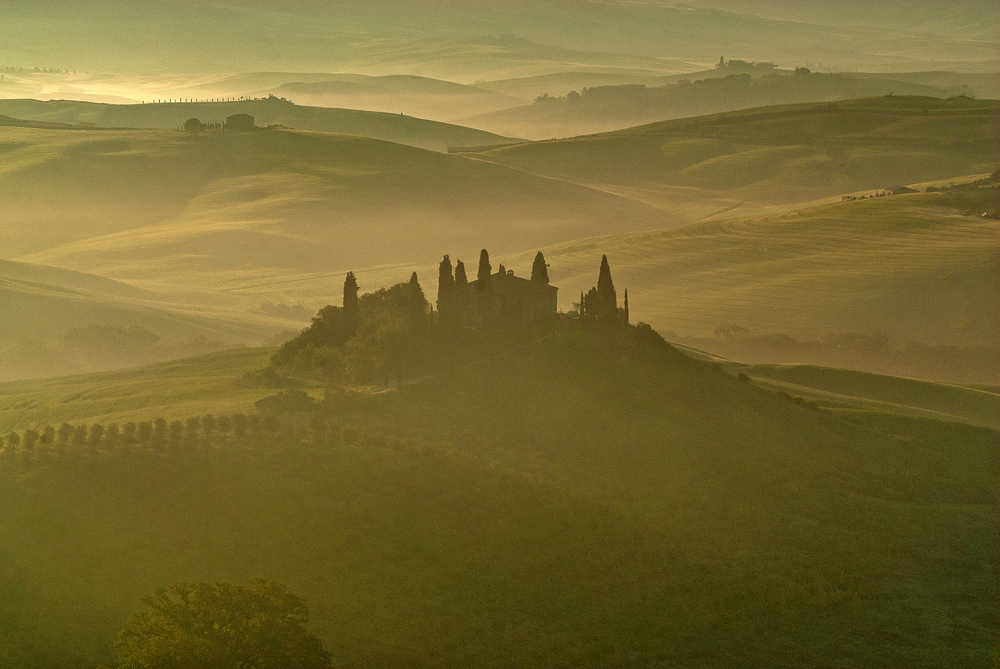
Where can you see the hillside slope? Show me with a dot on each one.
(588, 500)
(917, 267)
(777, 155)
(606, 108)
(225, 209)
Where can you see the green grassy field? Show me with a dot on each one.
(590, 501)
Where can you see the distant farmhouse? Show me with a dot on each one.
(240, 123)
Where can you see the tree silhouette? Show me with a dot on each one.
(80, 435)
(65, 432)
(352, 315)
(461, 292)
(175, 432)
(608, 300)
(484, 293)
(129, 431)
(539, 270)
(260, 625)
(29, 440)
(485, 270)
(193, 126)
(418, 304)
(446, 291)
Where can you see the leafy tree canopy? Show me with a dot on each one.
(220, 626)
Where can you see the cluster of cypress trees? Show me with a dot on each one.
(601, 301)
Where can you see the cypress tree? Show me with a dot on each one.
(352, 316)
(539, 270)
(461, 292)
(626, 306)
(608, 300)
(446, 291)
(418, 304)
(485, 270)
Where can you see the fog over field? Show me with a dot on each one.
(467, 333)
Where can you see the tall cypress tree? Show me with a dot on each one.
(608, 309)
(539, 269)
(485, 270)
(484, 293)
(461, 292)
(418, 304)
(446, 291)
(352, 315)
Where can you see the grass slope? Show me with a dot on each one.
(778, 154)
(852, 391)
(224, 211)
(613, 107)
(40, 302)
(587, 502)
(174, 389)
(391, 127)
(916, 267)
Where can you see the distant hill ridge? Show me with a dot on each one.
(421, 133)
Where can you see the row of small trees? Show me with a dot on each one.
(157, 432)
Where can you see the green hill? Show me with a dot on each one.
(392, 127)
(593, 499)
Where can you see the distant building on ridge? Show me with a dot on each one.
(240, 123)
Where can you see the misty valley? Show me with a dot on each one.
(479, 334)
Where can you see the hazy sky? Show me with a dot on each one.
(436, 37)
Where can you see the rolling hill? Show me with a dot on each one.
(605, 108)
(268, 111)
(593, 499)
(918, 267)
(224, 210)
(778, 154)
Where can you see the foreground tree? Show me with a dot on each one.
(208, 625)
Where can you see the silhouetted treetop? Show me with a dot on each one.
(606, 292)
(539, 269)
(485, 270)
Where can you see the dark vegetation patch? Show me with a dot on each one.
(592, 498)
